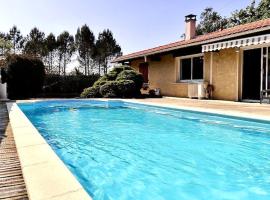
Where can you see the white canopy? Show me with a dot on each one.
(256, 40)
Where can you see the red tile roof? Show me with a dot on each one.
(218, 35)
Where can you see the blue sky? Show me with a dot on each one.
(136, 24)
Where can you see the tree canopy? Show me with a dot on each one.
(16, 39)
(57, 52)
(5, 45)
(211, 20)
(35, 43)
(106, 49)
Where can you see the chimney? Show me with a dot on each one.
(190, 26)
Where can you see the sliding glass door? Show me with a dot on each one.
(265, 71)
(256, 72)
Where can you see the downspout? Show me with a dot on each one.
(266, 70)
(237, 74)
(261, 69)
(145, 59)
(211, 68)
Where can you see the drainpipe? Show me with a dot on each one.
(237, 74)
(145, 58)
(211, 68)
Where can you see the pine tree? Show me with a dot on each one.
(50, 52)
(16, 39)
(85, 43)
(66, 48)
(106, 49)
(35, 43)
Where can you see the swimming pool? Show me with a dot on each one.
(119, 150)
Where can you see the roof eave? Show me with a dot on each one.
(192, 44)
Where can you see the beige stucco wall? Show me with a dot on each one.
(135, 63)
(225, 74)
(162, 74)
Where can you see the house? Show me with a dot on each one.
(234, 62)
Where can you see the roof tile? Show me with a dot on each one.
(214, 35)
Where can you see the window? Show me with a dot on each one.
(186, 69)
(197, 72)
(191, 68)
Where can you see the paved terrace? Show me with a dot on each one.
(241, 109)
(12, 184)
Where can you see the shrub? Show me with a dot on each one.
(24, 76)
(101, 81)
(91, 92)
(109, 89)
(111, 76)
(119, 69)
(126, 88)
(67, 86)
(131, 75)
(122, 81)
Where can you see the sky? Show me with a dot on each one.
(136, 24)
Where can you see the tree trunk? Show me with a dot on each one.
(59, 66)
(64, 65)
(14, 48)
(99, 67)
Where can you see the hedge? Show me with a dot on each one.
(24, 76)
(67, 86)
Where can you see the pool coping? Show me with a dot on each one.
(225, 113)
(45, 174)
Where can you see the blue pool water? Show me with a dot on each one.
(124, 151)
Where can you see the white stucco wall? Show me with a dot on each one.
(3, 90)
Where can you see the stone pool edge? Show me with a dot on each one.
(45, 175)
(225, 113)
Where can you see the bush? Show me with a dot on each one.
(101, 81)
(91, 92)
(24, 76)
(131, 75)
(126, 88)
(109, 89)
(67, 86)
(111, 76)
(122, 81)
